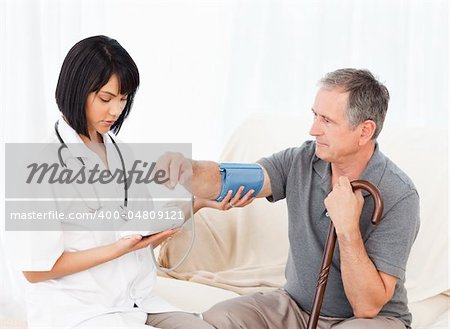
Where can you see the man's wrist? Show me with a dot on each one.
(349, 235)
(206, 179)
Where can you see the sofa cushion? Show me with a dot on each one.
(231, 250)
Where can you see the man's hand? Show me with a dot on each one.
(344, 206)
(227, 203)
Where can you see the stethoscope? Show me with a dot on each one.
(123, 207)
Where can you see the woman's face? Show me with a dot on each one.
(104, 107)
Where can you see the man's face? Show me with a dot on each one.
(336, 141)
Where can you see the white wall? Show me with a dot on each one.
(207, 65)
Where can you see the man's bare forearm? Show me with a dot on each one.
(206, 179)
(366, 288)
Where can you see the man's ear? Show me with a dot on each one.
(367, 131)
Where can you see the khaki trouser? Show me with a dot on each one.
(177, 320)
(277, 310)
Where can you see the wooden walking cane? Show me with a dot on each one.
(329, 249)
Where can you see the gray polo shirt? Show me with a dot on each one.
(304, 180)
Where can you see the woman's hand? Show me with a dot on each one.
(136, 241)
(227, 203)
(77, 261)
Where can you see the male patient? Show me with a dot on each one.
(366, 284)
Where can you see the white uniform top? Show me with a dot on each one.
(103, 295)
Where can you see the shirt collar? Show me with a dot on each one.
(376, 167)
(372, 173)
(74, 142)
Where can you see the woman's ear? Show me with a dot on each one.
(367, 131)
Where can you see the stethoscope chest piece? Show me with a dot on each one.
(123, 211)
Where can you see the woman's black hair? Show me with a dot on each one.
(88, 66)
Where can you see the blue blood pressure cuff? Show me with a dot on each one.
(235, 175)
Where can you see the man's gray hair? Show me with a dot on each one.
(368, 98)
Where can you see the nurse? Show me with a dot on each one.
(94, 279)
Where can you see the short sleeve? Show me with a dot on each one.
(278, 166)
(34, 249)
(389, 243)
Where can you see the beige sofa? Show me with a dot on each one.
(245, 250)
